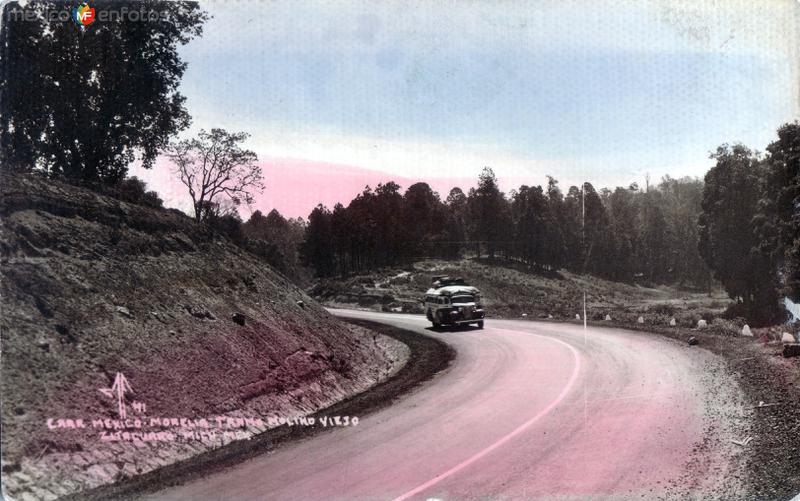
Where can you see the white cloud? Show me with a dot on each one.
(408, 158)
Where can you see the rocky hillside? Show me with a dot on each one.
(93, 287)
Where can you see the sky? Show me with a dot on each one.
(337, 95)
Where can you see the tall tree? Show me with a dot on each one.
(81, 103)
(530, 222)
(214, 167)
(316, 250)
(778, 219)
(572, 211)
(555, 243)
(391, 241)
(728, 240)
(489, 215)
(655, 239)
(456, 203)
(596, 240)
(623, 212)
(682, 199)
(342, 244)
(424, 218)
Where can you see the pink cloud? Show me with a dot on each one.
(295, 186)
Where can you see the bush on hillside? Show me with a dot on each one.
(134, 190)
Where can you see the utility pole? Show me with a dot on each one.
(584, 256)
(583, 247)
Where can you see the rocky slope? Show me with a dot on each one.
(93, 287)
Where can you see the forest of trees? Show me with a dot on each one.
(278, 240)
(740, 226)
(629, 233)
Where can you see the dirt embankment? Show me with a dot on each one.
(212, 343)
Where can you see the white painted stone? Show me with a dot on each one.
(608, 318)
(746, 331)
(640, 320)
(549, 316)
(787, 338)
(577, 317)
(701, 324)
(672, 322)
(524, 314)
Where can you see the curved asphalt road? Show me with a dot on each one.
(528, 410)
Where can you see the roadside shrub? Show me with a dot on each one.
(723, 327)
(686, 319)
(735, 310)
(268, 252)
(705, 314)
(134, 190)
(229, 225)
(662, 309)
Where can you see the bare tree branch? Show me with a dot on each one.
(216, 169)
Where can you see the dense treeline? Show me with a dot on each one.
(278, 240)
(381, 228)
(741, 224)
(625, 234)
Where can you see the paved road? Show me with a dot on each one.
(528, 410)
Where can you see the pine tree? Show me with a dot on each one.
(489, 214)
(316, 250)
